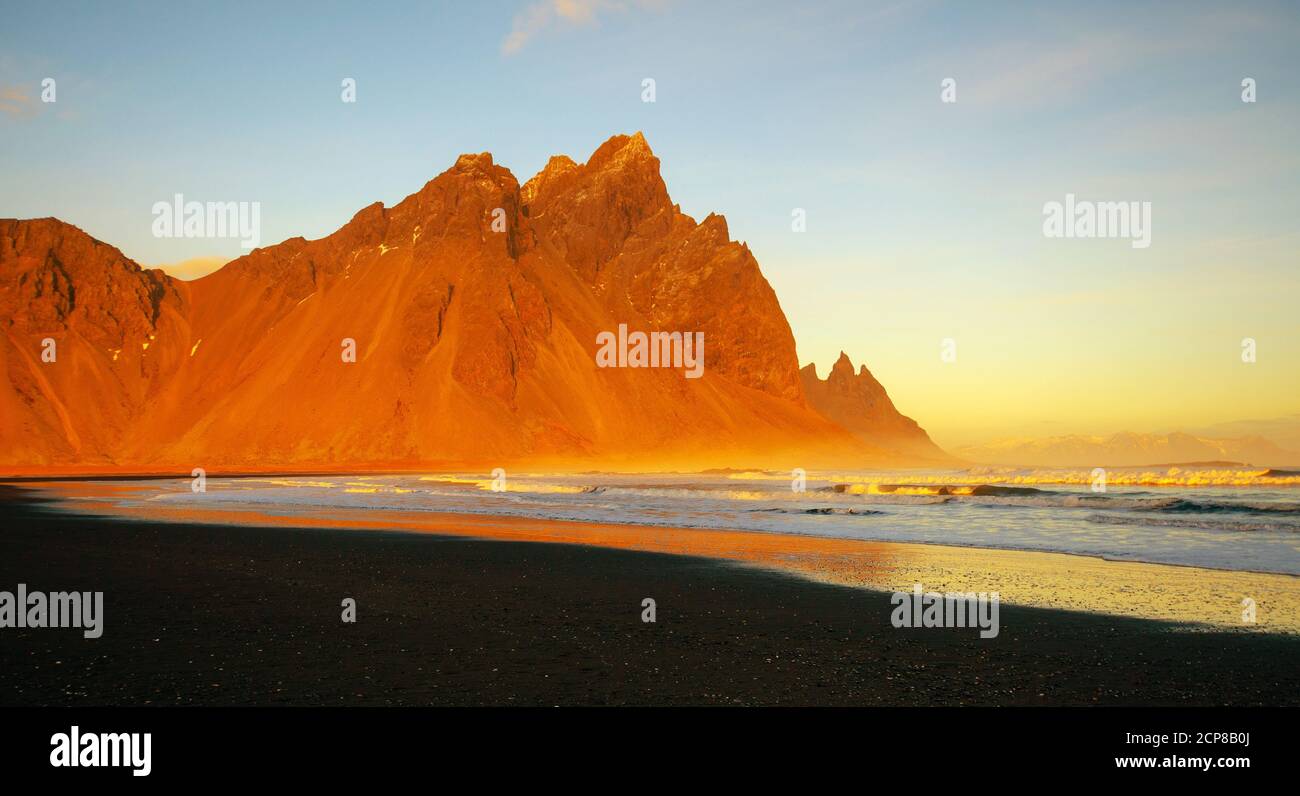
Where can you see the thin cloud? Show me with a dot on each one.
(542, 15)
(1033, 72)
(14, 102)
(1029, 73)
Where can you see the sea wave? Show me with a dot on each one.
(829, 510)
(1226, 527)
(778, 493)
(974, 490)
(1164, 476)
(1199, 523)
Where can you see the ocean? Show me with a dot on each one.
(1245, 519)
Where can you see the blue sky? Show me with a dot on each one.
(924, 218)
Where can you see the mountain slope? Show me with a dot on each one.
(474, 306)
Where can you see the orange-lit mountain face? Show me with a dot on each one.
(475, 306)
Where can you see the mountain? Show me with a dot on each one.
(1283, 431)
(1129, 449)
(860, 404)
(475, 306)
(117, 332)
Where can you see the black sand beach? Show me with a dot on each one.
(228, 615)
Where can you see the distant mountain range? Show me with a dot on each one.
(474, 307)
(1128, 449)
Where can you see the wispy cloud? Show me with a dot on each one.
(543, 14)
(15, 103)
(1033, 71)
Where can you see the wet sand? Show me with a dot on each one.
(200, 613)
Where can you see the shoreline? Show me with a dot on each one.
(1196, 597)
(35, 481)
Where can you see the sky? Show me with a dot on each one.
(924, 218)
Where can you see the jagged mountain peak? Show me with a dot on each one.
(843, 367)
(860, 403)
(624, 152)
